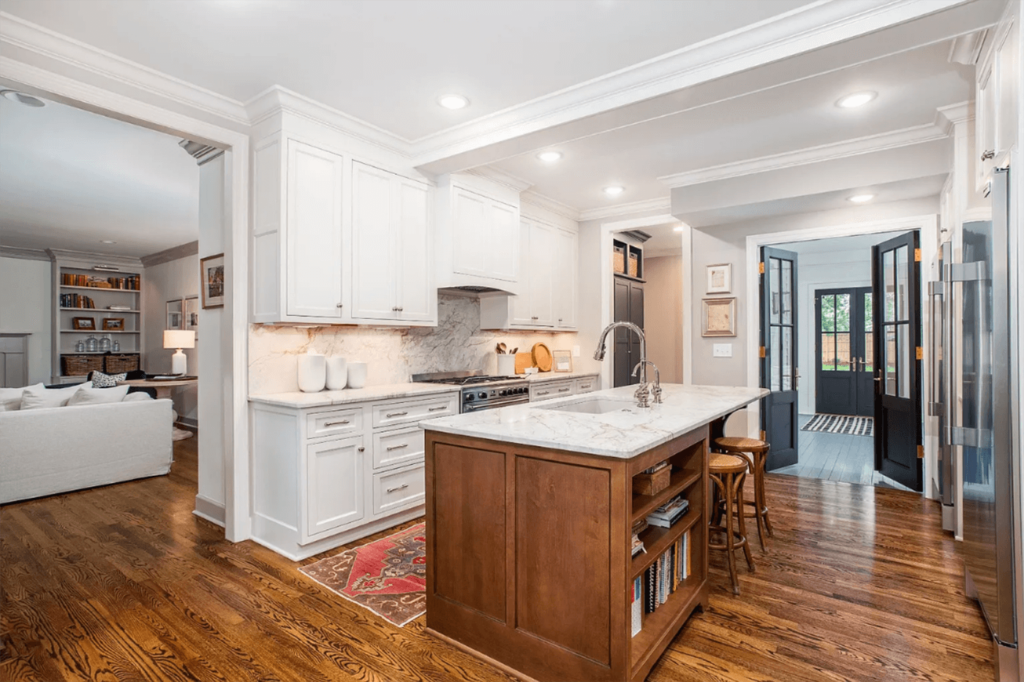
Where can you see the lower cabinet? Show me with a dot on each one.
(326, 476)
(561, 388)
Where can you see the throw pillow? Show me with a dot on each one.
(10, 398)
(136, 396)
(101, 380)
(95, 396)
(39, 397)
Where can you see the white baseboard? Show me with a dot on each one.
(209, 510)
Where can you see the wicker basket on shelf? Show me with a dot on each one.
(81, 365)
(116, 364)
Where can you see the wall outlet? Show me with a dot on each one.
(575, 351)
(723, 350)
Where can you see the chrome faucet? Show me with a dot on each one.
(656, 391)
(642, 394)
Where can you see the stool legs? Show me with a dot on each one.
(729, 502)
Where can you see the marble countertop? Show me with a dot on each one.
(298, 399)
(622, 434)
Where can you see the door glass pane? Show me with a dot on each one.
(828, 352)
(890, 360)
(902, 285)
(774, 289)
(787, 292)
(903, 340)
(869, 352)
(868, 312)
(787, 358)
(843, 352)
(776, 360)
(828, 313)
(889, 281)
(843, 313)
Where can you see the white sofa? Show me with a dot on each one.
(56, 450)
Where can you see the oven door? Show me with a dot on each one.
(495, 404)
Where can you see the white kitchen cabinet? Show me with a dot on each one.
(549, 390)
(566, 278)
(334, 484)
(391, 248)
(997, 98)
(539, 276)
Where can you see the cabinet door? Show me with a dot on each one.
(566, 278)
(503, 242)
(373, 245)
(314, 285)
(471, 234)
(334, 484)
(540, 279)
(1007, 75)
(416, 300)
(521, 303)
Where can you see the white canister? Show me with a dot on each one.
(312, 372)
(356, 374)
(337, 372)
(506, 365)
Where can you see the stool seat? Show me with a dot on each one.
(727, 464)
(756, 452)
(737, 445)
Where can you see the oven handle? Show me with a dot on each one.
(494, 406)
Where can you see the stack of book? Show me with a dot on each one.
(73, 280)
(76, 301)
(669, 513)
(639, 526)
(660, 581)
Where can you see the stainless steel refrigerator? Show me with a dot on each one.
(982, 426)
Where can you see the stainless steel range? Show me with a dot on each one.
(479, 391)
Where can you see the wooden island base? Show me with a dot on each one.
(528, 554)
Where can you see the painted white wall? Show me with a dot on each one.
(176, 279)
(29, 311)
(663, 313)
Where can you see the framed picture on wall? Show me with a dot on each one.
(191, 314)
(719, 318)
(174, 317)
(211, 279)
(719, 278)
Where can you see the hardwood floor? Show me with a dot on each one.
(123, 583)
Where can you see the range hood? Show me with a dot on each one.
(475, 291)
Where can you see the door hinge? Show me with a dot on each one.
(763, 353)
(760, 268)
(917, 255)
(920, 452)
(920, 353)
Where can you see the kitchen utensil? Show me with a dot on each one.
(515, 350)
(337, 373)
(523, 360)
(542, 357)
(312, 372)
(356, 374)
(502, 348)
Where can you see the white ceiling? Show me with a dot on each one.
(386, 62)
(70, 178)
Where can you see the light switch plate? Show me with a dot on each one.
(575, 351)
(723, 350)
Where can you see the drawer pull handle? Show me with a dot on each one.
(401, 487)
(438, 409)
(562, 390)
(341, 423)
(396, 414)
(543, 392)
(397, 447)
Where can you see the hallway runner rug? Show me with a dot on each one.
(837, 423)
(387, 576)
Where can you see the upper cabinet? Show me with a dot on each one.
(478, 234)
(338, 241)
(997, 97)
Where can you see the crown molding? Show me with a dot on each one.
(23, 254)
(513, 182)
(961, 112)
(619, 210)
(90, 258)
(17, 32)
(173, 253)
(546, 203)
(966, 49)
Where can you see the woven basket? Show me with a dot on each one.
(634, 265)
(81, 365)
(619, 261)
(652, 484)
(116, 364)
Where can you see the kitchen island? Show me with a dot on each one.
(529, 512)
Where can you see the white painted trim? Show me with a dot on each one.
(686, 240)
(513, 182)
(23, 254)
(209, 510)
(967, 48)
(544, 202)
(85, 96)
(929, 228)
(602, 212)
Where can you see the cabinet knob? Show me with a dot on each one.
(534, 318)
(341, 305)
(988, 154)
(401, 310)
(362, 449)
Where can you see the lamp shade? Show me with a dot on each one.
(179, 338)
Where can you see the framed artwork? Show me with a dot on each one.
(562, 361)
(192, 314)
(113, 324)
(211, 279)
(174, 314)
(719, 318)
(83, 323)
(719, 278)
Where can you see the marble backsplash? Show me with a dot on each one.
(391, 354)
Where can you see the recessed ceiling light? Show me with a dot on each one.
(679, 229)
(453, 102)
(22, 98)
(107, 241)
(614, 190)
(549, 157)
(861, 198)
(857, 99)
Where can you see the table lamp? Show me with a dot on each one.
(179, 338)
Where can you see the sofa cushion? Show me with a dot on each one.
(37, 397)
(86, 395)
(136, 395)
(10, 398)
(101, 380)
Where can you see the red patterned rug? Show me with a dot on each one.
(387, 576)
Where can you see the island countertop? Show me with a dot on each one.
(622, 434)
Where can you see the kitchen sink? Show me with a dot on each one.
(595, 406)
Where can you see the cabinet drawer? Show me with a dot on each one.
(549, 390)
(412, 412)
(586, 385)
(393, 448)
(335, 422)
(395, 490)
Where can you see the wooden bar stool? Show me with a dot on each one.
(728, 473)
(756, 452)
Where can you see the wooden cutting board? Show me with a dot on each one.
(542, 357)
(523, 360)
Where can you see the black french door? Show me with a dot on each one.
(897, 375)
(844, 352)
(779, 413)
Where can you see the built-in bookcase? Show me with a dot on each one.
(86, 286)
